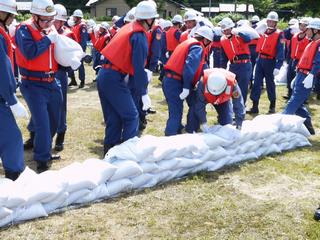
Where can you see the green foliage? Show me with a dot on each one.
(23, 17)
(234, 16)
(103, 19)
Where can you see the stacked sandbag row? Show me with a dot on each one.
(145, 162)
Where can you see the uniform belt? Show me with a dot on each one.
(113, 67)
(173, 75)
(240, 61)
(48, 79)
(304, 71)
(264, 56)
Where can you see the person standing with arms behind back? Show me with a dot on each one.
(11, 146)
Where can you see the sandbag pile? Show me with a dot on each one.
(145, 162)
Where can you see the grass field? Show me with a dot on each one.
(271, 198)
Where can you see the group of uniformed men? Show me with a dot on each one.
(126, 55)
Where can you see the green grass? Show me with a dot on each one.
(271, 198)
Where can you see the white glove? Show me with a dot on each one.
(19, 110)
(293, 82)
(90, 30)
(53, 36)
(75, 63)
(276, 72)
(184, 94)
(149, 74)
(167, 54)
(101, 57)
(308, 81)
(205, 128)
(146, 102)
(234, 31)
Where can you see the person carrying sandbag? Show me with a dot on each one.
(35, 39)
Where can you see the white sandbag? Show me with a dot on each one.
(214, 154)
(45, 187)
(77, 177)
(148, 167)
(98, 192)
(168, 165)
(36, 210)
(126, 169)
(228, 132)
(158, 178)
(56, 203)
(145, 147)
(119, 186)
(249, 146)
(126, 150)
(214, 141)
(219, 164)
(141, 180)
(272, 149)
(99, 171)
(292, 123)
(187, 163)
(261, 26)
(5, 185)
(4, 212)
(281, 78)
(183, 172)
(7, 220)
(68, 52)
(74, 196)
(245, 29)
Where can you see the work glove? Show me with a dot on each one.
(308, 81)
(90, 30)
(167, 54)
(184, 94)
(101, 57)
(149, 74)
(75, 64)
(205, 128)
(53, 36)
(276, 72)
(146, 102)
(19, 110)
(293, 82)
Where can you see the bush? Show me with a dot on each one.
(104, 18)
(23, 17)
(234, 16)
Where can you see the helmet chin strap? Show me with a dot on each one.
(314, 33)
(149, 25)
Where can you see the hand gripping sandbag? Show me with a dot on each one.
(68, 52)
(248, 31)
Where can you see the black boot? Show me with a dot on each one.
(11, 175)
(316, 215)
(43, 166)
(73, 81)
(255, 108)
(29, 143)
(272, 107)
(310, 128)
(81, 84)
(55, 157)
(107, 147)
(59, 142)
(318, 96)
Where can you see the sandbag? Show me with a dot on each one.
(68, 52)
(141, 180)
(148, 167)
(98, 171)
(245, 29)
(118, 186)
(56, 203)
(4, 212)
(36, 210)
(126, 169)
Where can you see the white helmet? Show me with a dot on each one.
(9, 6)
(115, 18)
(177, 19)
(146, 10)
(293, 21)
(43, 8)
(205, 32)
(105, 25)
(189, 16)
(91, 23)
(166, 23)
(273, 16)
(255, 18)
(304, 20)
(314, 24)
(130, 15)
(216, 84)
(243, 22)
(61, 12)
(226, 23)
(77, 13)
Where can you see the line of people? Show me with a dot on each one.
(183, 49)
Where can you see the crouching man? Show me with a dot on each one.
(220, 88)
